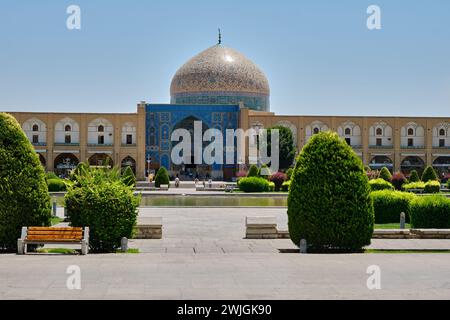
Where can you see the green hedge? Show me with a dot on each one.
(414, 185)
(104, 203)
(329, 201)
(430, 212)
(254, 184)
(24, 197)
(388, 205)
(56, 185)
(432, 187)
(429, 187)
(380, 184)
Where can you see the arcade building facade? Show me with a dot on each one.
(224, 90)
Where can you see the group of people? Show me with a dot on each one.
(151, 177)
(197, 181)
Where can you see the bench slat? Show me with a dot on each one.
(55, 229)
(52, 237)
(55, 232)
(53, 240)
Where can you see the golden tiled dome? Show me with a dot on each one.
(220, 71)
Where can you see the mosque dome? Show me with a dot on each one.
(221, 75)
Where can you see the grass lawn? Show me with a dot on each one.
(131, 250)
(391, 226)
(57, 250)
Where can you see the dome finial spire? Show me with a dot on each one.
(220, 37)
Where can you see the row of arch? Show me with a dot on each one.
(67, 131)
(410, 163)
(65, 162)
(380, 133)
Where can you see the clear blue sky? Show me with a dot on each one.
(318, 55)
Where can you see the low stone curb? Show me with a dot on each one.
(148, 228)
(266, 228)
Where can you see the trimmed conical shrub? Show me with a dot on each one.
(414, 177)
(128, 177)
(24, 197)
(429, 174)
(253, 171)
(329, 201)
(385, 174)
(162, 177)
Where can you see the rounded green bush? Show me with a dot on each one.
(388, 205)
(162, 177)
(24, 197)
(414, 176)
(430, 212)
(56, 185)
(253, 171)
(385, 174)
(329, 201)
(432, 187)
(106, 205)
(254, 184)
(429, 174)
(380, 184)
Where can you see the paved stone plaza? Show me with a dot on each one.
(203, 255)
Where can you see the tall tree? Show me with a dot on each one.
(286, 146)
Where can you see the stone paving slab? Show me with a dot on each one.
(204, 255)
(226, 276)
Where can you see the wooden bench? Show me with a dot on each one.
(50, 235)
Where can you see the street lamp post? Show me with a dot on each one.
(149, 160)
(258, 127)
